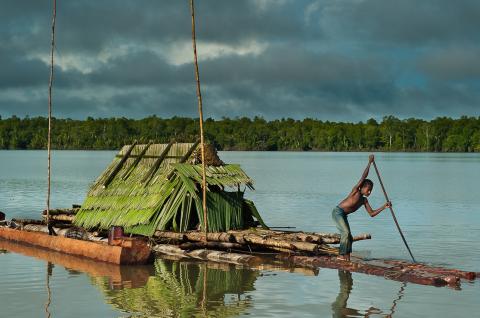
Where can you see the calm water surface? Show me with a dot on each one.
(435, 196)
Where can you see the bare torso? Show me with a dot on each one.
(352, 203)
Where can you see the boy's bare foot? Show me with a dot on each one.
(341, 258)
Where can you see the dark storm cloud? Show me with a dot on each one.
(408, 22)
(457, 64)
(337, 60)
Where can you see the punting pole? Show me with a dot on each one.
(50, 83)
(200, 112)
(393, 214)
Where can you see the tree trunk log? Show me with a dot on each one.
(170, 235)
(336, 240)
(407, 272)
(270, 242)
(207, 255)
(211, 244)
(217, 237)
(61, 217)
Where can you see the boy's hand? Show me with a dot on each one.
(371, 158)
(388, 205)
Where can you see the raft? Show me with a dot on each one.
(128, 251)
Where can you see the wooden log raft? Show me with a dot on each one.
(273, 240)
(399, 271)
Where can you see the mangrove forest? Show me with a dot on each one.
(442, 134)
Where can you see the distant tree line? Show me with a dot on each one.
(442, 134)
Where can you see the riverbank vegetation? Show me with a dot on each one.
(442, 134)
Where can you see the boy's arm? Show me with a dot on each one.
(364, 175)
(373, 212)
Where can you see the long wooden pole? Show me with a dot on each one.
(200, 112)
(393, 214)
(50, 84)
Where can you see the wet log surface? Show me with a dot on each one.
(205, 254)
(390, 269)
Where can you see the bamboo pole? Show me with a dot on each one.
(50, 84)
(200, 112)
(393, 214)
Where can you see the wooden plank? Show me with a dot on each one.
(148, 176)
(119, 165)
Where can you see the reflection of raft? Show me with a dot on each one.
(128, 251)
(118, 276)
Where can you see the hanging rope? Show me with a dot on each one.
(49, 140)
(200, 112)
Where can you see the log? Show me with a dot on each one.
(62, 217)
(393, 272)
(318, 238)
(58, 231)
(27, 221)
(169, 250)
(195, 236)
(291, 245)
(71, 211)
(170, 235)
(220, 256)
(218, 237)
(210, 255)
(335, 240)
(433, 269)
(213, 245)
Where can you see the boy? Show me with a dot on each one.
(356, 198)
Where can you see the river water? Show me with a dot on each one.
(435, 196)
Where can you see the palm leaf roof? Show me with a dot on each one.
(145, 188)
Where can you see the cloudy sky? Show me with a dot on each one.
(345, 60)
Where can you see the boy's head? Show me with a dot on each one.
(366, 187)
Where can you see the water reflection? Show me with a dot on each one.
(401, 292)
(49, 292)
(173, 288)
(187, 289)
(340, 307)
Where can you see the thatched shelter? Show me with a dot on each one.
(157, 187)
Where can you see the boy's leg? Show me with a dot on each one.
(345, 236)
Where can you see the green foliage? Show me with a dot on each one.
(391, 134)
(170, 200)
